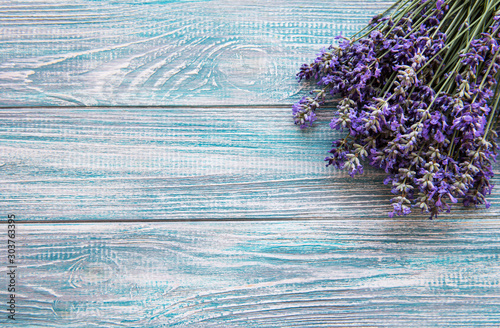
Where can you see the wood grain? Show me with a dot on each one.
(165, 52)
(342, 273)
(181, 163)
(222, 162)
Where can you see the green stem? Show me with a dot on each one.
(493, 112)
(383, 14)
(401, 14)
(448, 14)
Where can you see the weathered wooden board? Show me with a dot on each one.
(341, 273)
(224, 153)
(142, 52)
(180, 163)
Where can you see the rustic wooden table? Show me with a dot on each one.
(148, 153)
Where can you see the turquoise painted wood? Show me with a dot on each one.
(341, 273)
(117, 113)
(165, 52)
(181, 163)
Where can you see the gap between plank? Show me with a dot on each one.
(324, 106)
(247, 220)
(150, 106)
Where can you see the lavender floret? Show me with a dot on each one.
(418, 100)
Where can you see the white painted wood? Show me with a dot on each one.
(181, 163)
(165, 52)
(63, 166)
(342, 273)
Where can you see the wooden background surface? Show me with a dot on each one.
(148, 152)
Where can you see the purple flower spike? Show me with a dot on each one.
(411, 106)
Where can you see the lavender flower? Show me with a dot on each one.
(417, 94)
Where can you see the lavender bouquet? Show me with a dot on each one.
(417, 95)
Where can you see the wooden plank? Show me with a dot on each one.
(342, 273)
(181, 163)
(132, 52)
